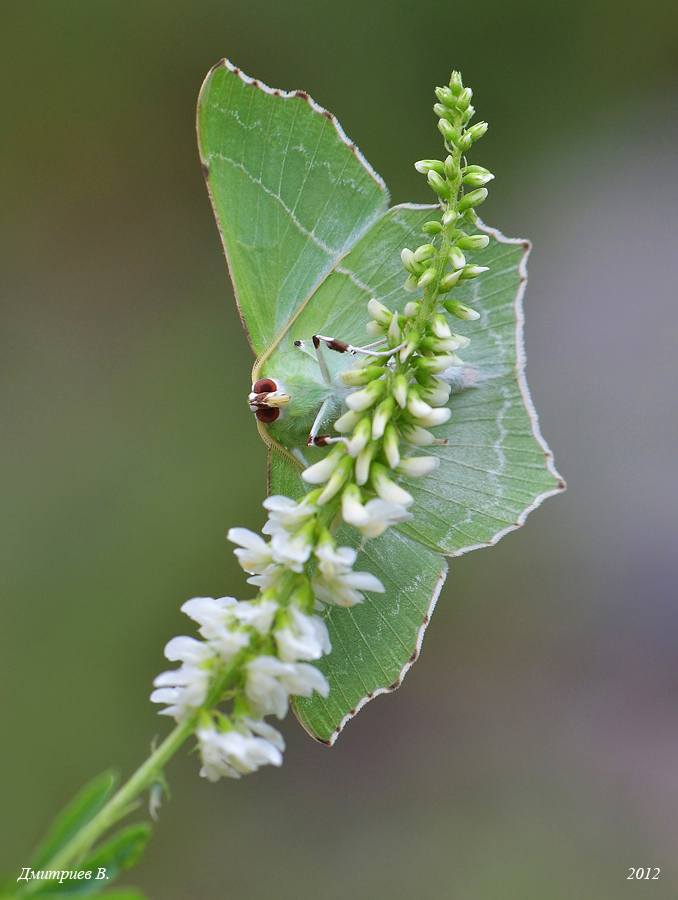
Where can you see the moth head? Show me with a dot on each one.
(266, 399)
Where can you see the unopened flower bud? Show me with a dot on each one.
(448, 131)
(426, 251)
(410, 262)
(473, 198)
(473, 241)
(432, 227)
(411, 283)
(438, 416)
(476, 176)
(394, 336)
(416, 406)
(464, 98)
(381, 418)
(438, 393)
(443, 111)
(336, 481)
(457, 258)
(379, 312)
(424, 166)
(361, 400)
(391, 445)
(473, 271)
(470, 215)
(352, 510)
(439, 326)
(461, 311)
(413, 339)
(478, 130)
(363, 464)
(418, 466)
(374, 329)
(322, 470)
(427, 278)
(358, 376)
(456, 84)
(449, 281)
(400, 389)
(445, 95)
(412, 308)
(388, 490)
(415, 434)
(451, 167)
(347, 422)
(434, 365)
(360, 437)
(465, 142)
(438, 183)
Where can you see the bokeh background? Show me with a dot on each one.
(533, 750)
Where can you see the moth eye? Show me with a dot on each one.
(264, 386)
(267, 415)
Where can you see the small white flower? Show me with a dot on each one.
(382, 515)
(344, 590)
(269, 578)
(257, 615)
(255, 552)
(416, 435)
(270, 681)
(264, 730)
(183, 689)
(233, 754)
(333, 560)
(292, 551)
(305, 637)
(284, 514)
(187, 650)
(217, 624)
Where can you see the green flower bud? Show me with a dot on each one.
(432, 227)
(439, 185)
(448, 131)
(439, 326)
(449, 281)
(471, 216)
(410, 262)
(457, 258)
(415, 434)
(464, 98)
(478, 130)
(473, 271)
(360, 437)
(399, 390)
(476, 179)
(413, 339)
(424, 166)
(374, 329)
(443, 111)
(412, 308)
(427, 278)
(391, 445)
(465, 142)
(357, 377)
(460, 311)
(381, 418)
(379, 312)
(445, 95)
(451, 168)
(361, 400)
(426, 251)
(411, 283)
(336, 481)
(473, 198)
(394, 336)
(473, 241)
(456, 84)
(434, 365)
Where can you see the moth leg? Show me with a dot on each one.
(343, 347)
(322, 440)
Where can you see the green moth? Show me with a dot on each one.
(310, 238)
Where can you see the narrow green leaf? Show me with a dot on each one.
(84, 806)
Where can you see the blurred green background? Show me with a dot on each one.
(533, 750)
